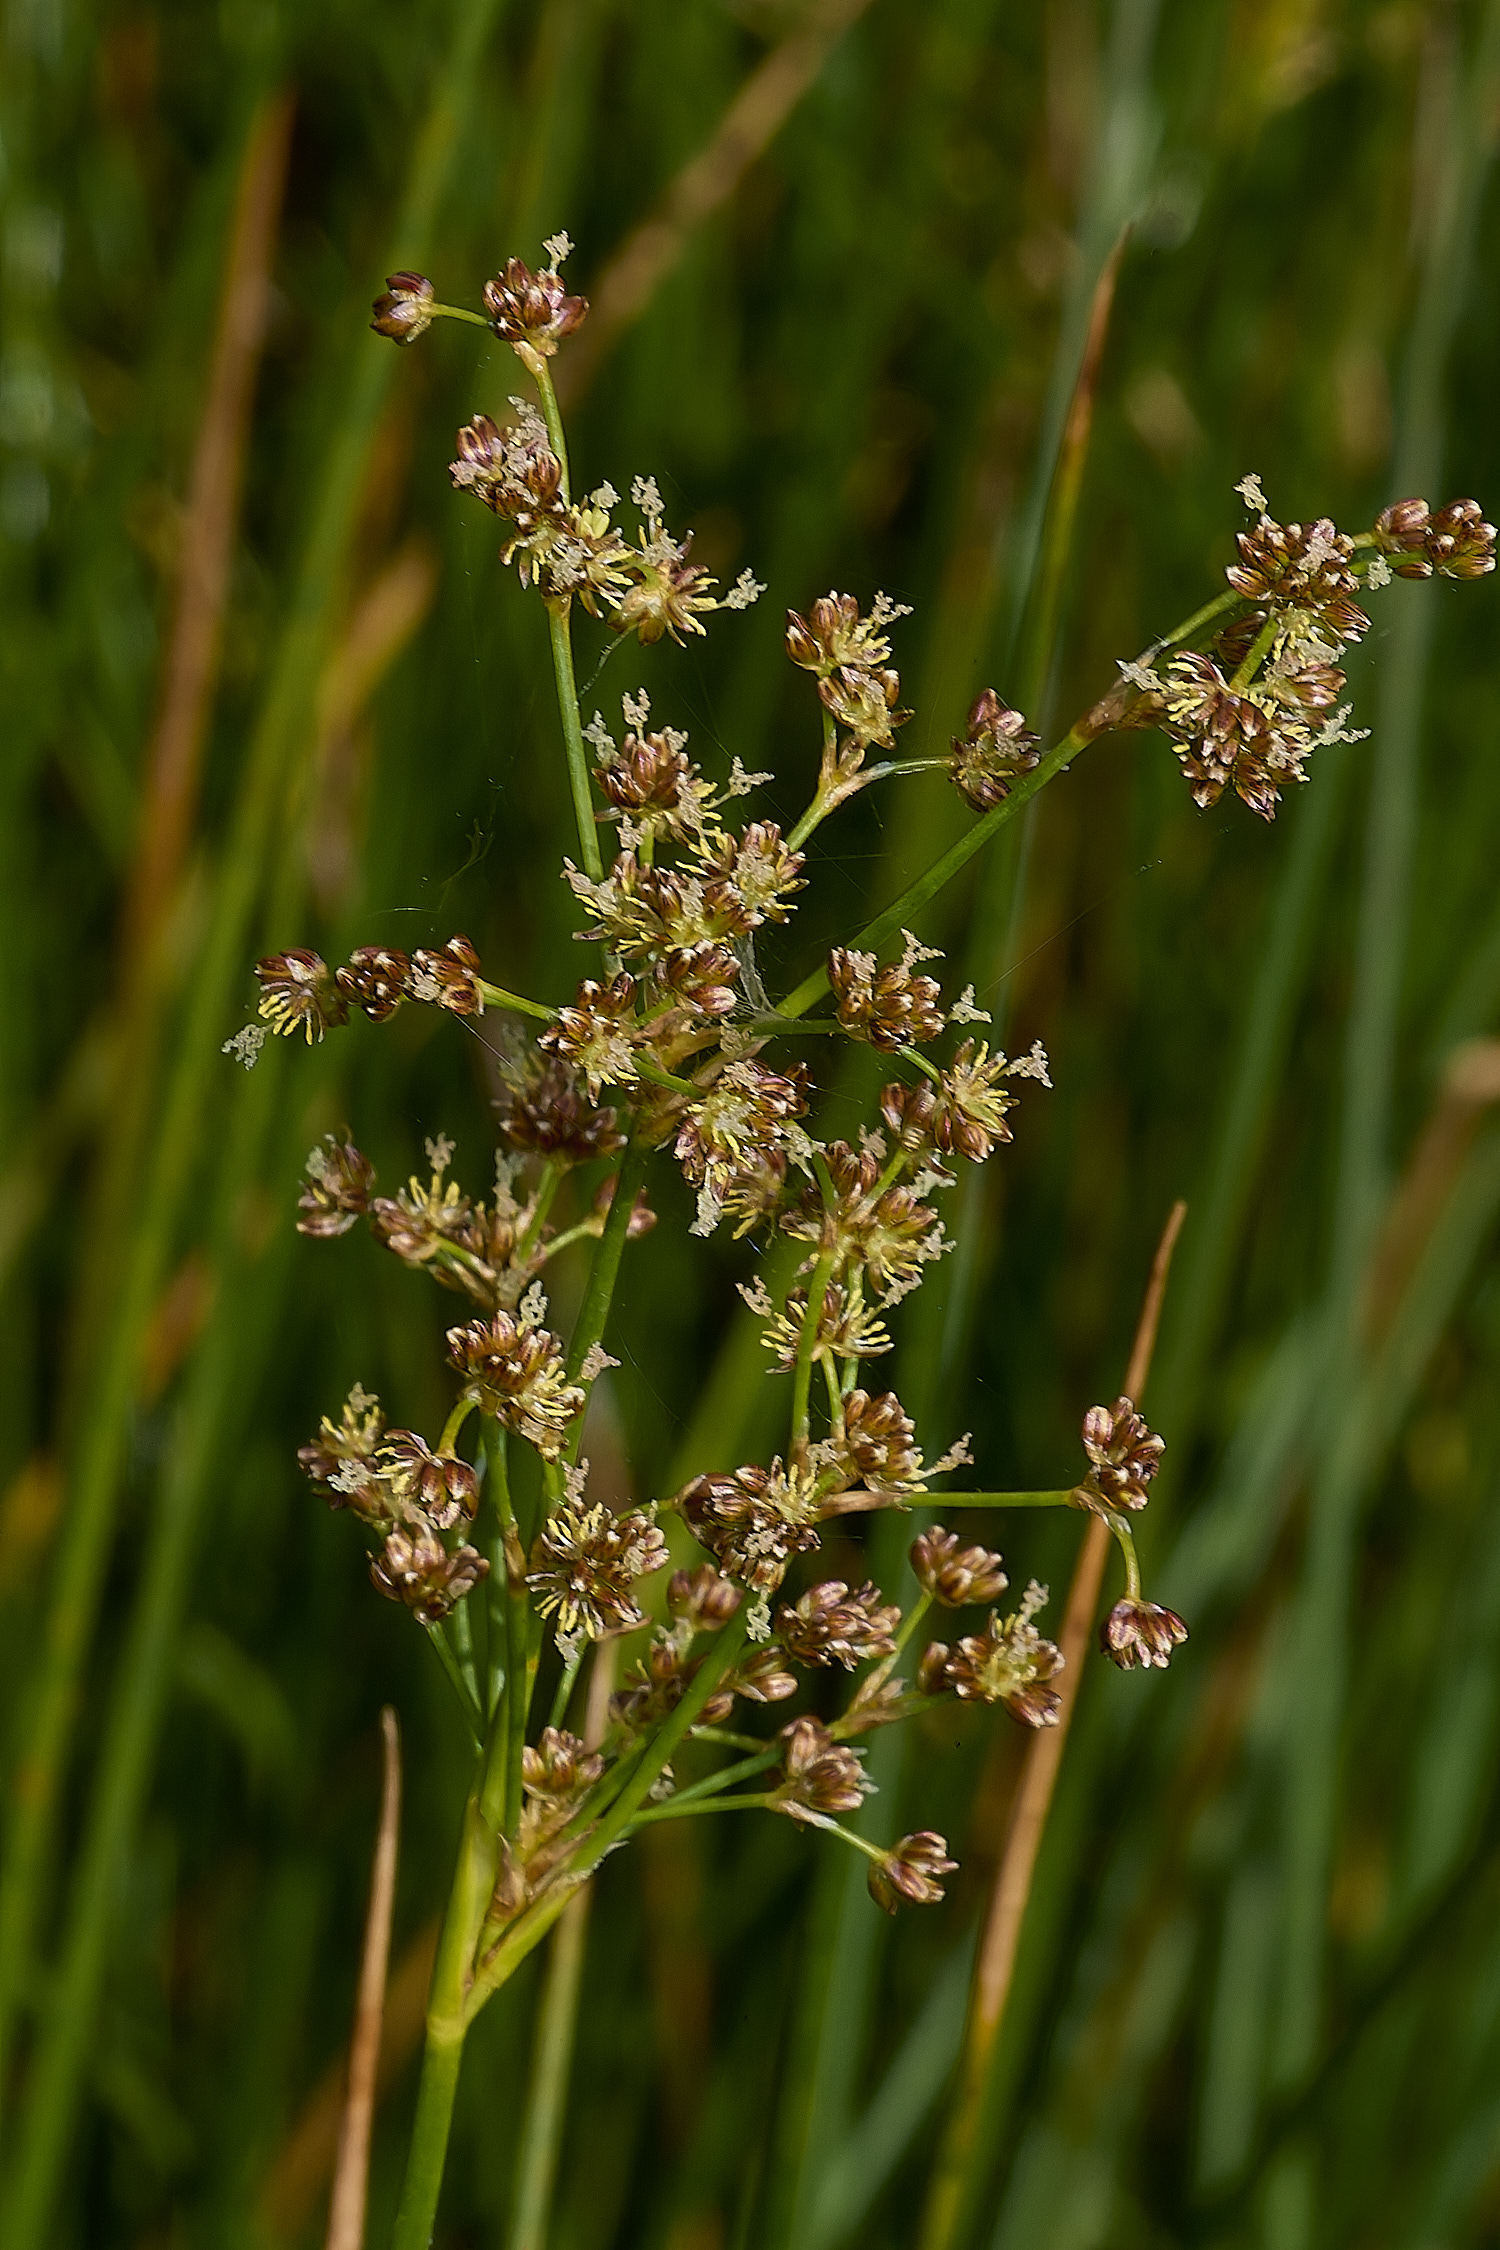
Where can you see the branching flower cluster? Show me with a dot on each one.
(669, 1052)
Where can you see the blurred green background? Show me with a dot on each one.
(1259, 1999)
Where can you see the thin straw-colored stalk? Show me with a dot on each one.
(346, 2214)
(704, 185)
(269, 772)
(953, 2181)
(557, 2024)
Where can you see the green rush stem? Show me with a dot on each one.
(1004, 1499)
(497, 1609)
(819, 809)
(909, 1624)
(546, 1193)
(458, 1629)
(683, 1808)
(904, 909)
(453, 1427)
(817, 1294)
(605, 1270)
(541, 2131)
(457, 312)
(496, 996)
(447, 2023)
(541, 375)
(1257, 650)
(712, 1783)
(1126, 1541)
(659, 1749)
(564, 1695)
(1192, 625)
(462, 1687)
(654, 1073)
(559, 631)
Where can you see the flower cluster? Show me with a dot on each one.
(1008, 1663)
(299, 991)
(408, 1494)
(586, 1564)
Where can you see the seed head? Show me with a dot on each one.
(702, 977)
(585, 1564)
(1124, 1455)
(375, 978)
(339, 1180)
(748, 1112)
(597, 1033)
(1250, 742)
(834, 633)
(1303, 567)
(342, 1456)
(847, 1328)
(439, 1484)
(820, 1775)
(864, 701)
(754, 1521)
(514, 471)
(910, 1871)
(879, 1445)
(701, 1599)
(1009, 1663)
(532, 308)
(298, 993)
(992, 753)
(890, 1007)
(416, 1568)
(1460, 544)
(546, 1113)
(517, 1374)
(953, 1574)
(559, 1769)
(758, 871)
(404, 311)
(1143, 1633)
(762, 1677)
(831, 1625)
(449, 979)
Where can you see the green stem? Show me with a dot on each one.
(1258, 649)
(1004, 1499)
(659, 1750)
(452, 1428)
(713, 1783)
(683, 1808)
(605, 1270)
(447, 2022)
(817, 1295)
(541, 375)
(541, 1203)
(461, 1686)
(656, 1076)
(560, 633)
(564, 1695)
(1126, 1540)
(457, 312)
(541, 2132)
(458, 1630)
(496, 996)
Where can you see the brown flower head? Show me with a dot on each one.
(439, 1484)
(879, 1443)
(890, 1006)
(701, 1598)
(516, 1373)
(449, 979)
(375, 978)
(584, 1566)
(514, 471)
(546, 1113)
(298, 993)
(702, 977)
(1009, 1663)
(910, 1871)
(992, 753)
(1304, 567)
(1460, 544)
(416, 1568)
(758, 871)
(559, 1769)
(342, 1456)
(1124, 1455)
(754, 1521)
(890, 1236)
(953, 1574)
(834, 634)
(762, 1677)
(1143, 1633)
(404, 311)
(847, 1328)
(420, 1221)
(647, 773)
(831, 1625)
(821, 1777)
(339, 1180)
(1249, 742)
(532, 308)
(597, 1033)
(748, 1112)
(864, 703)
(1401, 532)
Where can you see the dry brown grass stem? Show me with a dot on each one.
(705, 183)
(995, 1963)
(1470, 1086)
(175, 758)
(346, 2211)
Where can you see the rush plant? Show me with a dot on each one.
(672, 1050)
